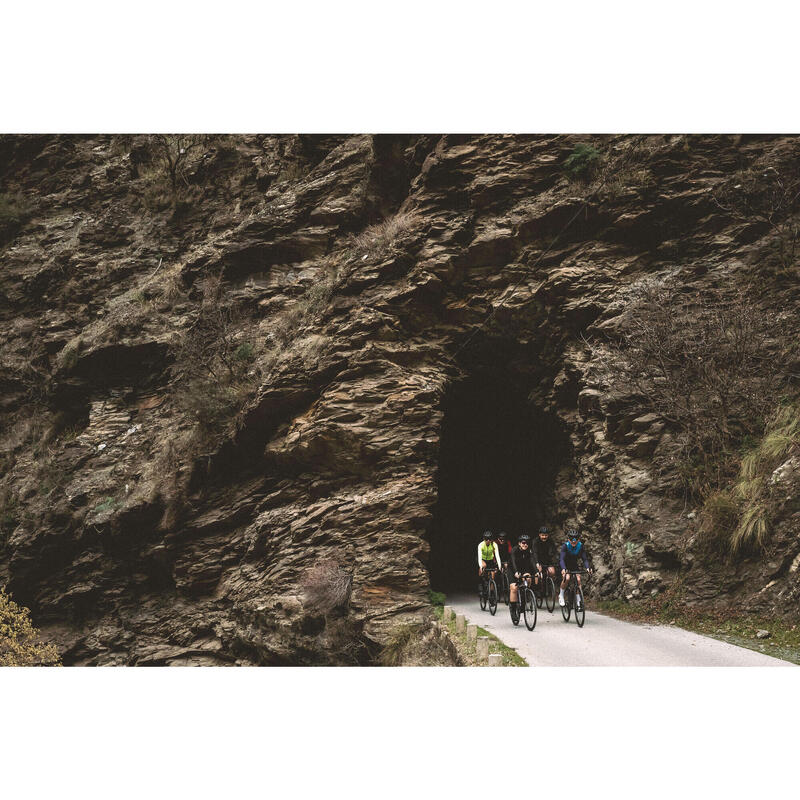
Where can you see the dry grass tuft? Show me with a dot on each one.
(382, 239)
(420, 644)
(737, 521)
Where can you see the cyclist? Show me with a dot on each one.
(571, 551)
(544, 552)
(488, 558)
(504, 549)
(522, 563)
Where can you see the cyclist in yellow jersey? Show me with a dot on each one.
(488, 557)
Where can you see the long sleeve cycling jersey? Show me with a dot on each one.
(545, 552)
(522, 561)
(483, 551)
(569, 556)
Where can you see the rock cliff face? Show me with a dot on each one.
(403, 356)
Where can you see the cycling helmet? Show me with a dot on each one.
(487, 535)
(544, 529)
(573, 534)
(501, 535)
(525, 538)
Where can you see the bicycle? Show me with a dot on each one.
(488, 591)
(545, 591)
(525, 599)
(504, 588)
(573, 598)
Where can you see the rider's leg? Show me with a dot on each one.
(513, 592)
(561, 600)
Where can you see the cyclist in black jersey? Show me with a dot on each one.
(504, 551)
(545, 554)
(522, 563)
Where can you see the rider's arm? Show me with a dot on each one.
(480, 560)
(514, 569)
(497, 555)
(561, 557)
(585, 557)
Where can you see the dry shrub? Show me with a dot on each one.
(421, 644)
(327, 586)
(173, 153)
(769, 195)
(704, 362)
(20, 645)
(213, 377)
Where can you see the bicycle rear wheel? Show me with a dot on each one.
(566, 609)
(580, 610)
(505, 592)
(529, 610)
(550, 594)
(492, 599)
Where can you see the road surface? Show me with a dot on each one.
(607, 642)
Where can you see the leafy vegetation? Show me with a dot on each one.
(20, 644)
(436, 598)
(14, 211)
(582, 162)
(106, 505)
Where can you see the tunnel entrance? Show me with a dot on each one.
(499, 457)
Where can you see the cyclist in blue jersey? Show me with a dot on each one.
(573, 551)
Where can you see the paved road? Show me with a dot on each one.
(607, 642)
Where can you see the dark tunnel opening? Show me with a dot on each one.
(498, 462)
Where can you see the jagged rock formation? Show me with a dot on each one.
(357, 271)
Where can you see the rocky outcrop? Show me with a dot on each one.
(368, 275)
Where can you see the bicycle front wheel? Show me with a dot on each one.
(566, 609)
(580, 609)
(482, 596)
(539, 594)
(529, 610)
(550, 594)
(492, 597)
